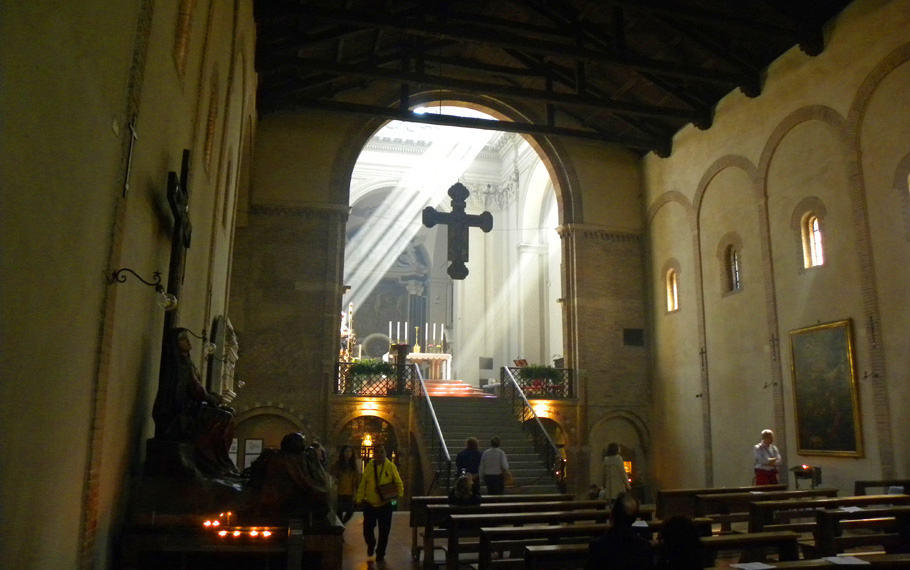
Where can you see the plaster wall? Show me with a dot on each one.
(800, 142)
(84, 354)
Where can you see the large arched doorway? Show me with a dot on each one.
(508, 307)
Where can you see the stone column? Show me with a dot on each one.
(286, 302)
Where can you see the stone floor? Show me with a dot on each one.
(398, 554)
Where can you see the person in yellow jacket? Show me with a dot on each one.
(378, 507)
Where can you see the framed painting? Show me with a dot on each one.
(825, 395)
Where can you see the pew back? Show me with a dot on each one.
(682, 501)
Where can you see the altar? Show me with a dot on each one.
(433, 365)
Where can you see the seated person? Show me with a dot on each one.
(464, 492)
(620, 547)
(680, 546)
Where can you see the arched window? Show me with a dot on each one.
(813, 250)
(734, 270)
(672, 290)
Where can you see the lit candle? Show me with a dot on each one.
(442, 336)
(434, 333)
(397, 331)
(390, 331)
(406, 332)
(426, 336)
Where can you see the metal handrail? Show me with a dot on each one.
(444, 457)
(524, 411)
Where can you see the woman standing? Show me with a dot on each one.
(347, 479)
(615, 479)
(378, 491)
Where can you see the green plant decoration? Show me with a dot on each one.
(372, 367)
(539, 372)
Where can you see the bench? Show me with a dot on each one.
(501, 539)
(461, 526)
(859, 487)
(682, 501)
(727, 508)
(874, 560)
(767, 515)
(564, 556)
(890, 522)
(418, 516)
(434, 525)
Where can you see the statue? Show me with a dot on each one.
(186, 412)
(290, 481)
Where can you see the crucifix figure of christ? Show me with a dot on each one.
(178, 196)
(458, 223)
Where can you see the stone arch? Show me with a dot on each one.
(623, 424)
(550, 151)
(401, 433)
(878, 365)
(719, 165)
(672, 197)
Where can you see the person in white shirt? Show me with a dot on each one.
(767, 459)
(493, 468)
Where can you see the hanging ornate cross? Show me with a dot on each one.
(458, 223)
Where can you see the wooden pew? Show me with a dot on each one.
(830, 539)
(505, 538)
(727, 508)
(859, 487)
(682, 501)
(765, 515)
(874, 560)
(437, 516)
(461, 526)
(566, 556)
(418, 516)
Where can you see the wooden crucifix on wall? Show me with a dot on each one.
(458, 223)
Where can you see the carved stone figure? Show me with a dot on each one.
(186, 412)
(289, 481)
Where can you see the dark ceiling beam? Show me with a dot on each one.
(566, 77)
(475, 65)
(729, 22)
(547, 48)
(599, 37)
(502, 90)
(751, 87)
(290, 104)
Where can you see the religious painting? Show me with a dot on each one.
(825, 393)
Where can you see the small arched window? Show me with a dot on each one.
(734, 269)
(813, 249)
(672, 290)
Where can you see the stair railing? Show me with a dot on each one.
(427, 416)
(524, 412)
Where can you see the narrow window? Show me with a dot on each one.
(734, 271)
(813, 252)
(672, 291)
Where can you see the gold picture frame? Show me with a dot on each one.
(825, 394)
